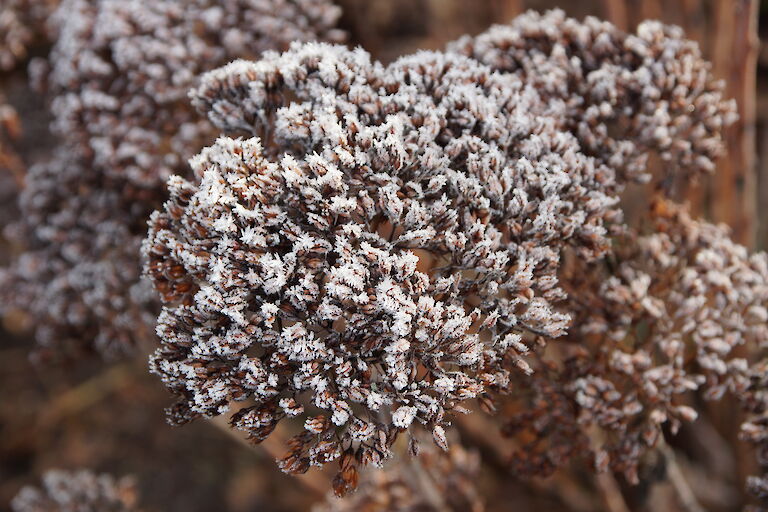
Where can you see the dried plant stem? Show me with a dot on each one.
(71, 402)
(11, 163)
(504, 10)
(477, 431)
(86, 394)
(735, 60)
(762, 199)
(610, 492)
(273, 446)
(683, 490)
(427, 486)
(651, 10)
(718, 450)
(616, 12)
(695, 24)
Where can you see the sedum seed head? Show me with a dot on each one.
(381, 243)
(117, 79)
(81, 491)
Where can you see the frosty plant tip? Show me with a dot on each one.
(370, 249)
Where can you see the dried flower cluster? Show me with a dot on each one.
(441, 481)
(295, 267)
(118, 77)
(78, 491)
(625, 94)
(22, 24)
(386, 245)
(663, 315)
(362, 251)
(120, 72)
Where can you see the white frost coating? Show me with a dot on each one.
(407, 221)
(117, 80)
(403, 416)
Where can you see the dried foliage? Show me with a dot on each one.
(117, 79)
(680, 309)
(386, 245)
(78, 491)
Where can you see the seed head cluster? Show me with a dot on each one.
(679, 309)
(117, 79)
(441, 481)
(78, 491)
(383, 243)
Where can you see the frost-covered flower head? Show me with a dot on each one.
(678, 309)
(383, 248)
(118, 76)
(625, 94)
(120, 71)
(78, 491)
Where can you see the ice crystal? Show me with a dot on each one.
(625, 93)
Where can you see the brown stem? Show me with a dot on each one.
(85, 395)
(610, 492)
(478, 432)
(683, 490)
(735, 60)
(312, 481)
(616, 12)
(426, 485)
